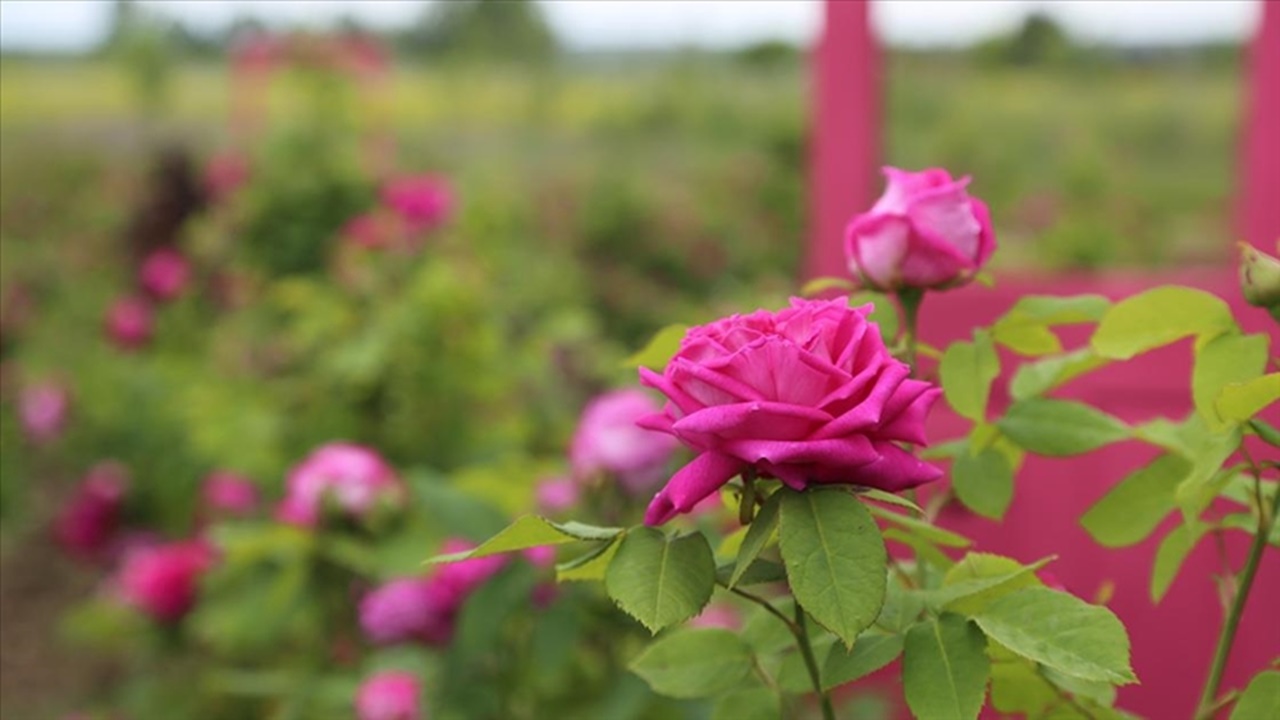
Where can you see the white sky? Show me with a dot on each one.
(602, 24)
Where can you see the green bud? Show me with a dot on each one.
(1260, 278)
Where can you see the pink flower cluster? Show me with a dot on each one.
(354, 479)
(390, 695)
(409, 206)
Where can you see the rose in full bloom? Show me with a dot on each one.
(164, 274)
(129, 323)
(390, 695)
(807, 395)
(608, 440)
(42, 408)
(423, 202)
(924, 232)
(87, 526)
(409, 609)
(353, 477)
(227, 493)
(163, 580)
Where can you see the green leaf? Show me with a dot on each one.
(590, 566)
(1158, 317)
(889, 498)
(1057, 310)
(1060, 427)
(1172, 552)
(983, 482)
(835, 559)
(759, 571)
(1226, 360)
(660, 349)
(885, 315)
(980, 578)
(820, 285)
(967, 371)
(1269, 433)
(1062, 632)
(658, 580)
(932, 533)
(1017, 687)
(925, 551)
(1132, 509)
(871, 651)
(1208, 451)
(902, 608)
(758, 534)
(1261, 699)
(1030, 340)
(1240, 401)
(756, 703)
(1041, 376)
(945, 669)
(694, 663)
(531, 531)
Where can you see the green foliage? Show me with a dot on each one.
(1131, 510)
(967, 371)
(759, 534)
(694, 663)
(1059, 427)
(1261, 699)
(1173, 550)
(1223, 361)
(945, 669)
(870, 652)
(661, 580)
(530, 531)
(983, 481)
(1158, 317)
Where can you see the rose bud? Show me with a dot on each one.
(87, 526)
(129, 323)
(608, 440)
(1260, 279)
(807, 395)
(354, 478)
(163, 581)
(924, 232)
(164, 274)
(390, 695)
(424, 202)
(42, 409)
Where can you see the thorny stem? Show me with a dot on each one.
(811, 663)
(1208, 703)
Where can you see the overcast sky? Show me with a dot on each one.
(604, 24)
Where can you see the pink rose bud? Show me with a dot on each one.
(42, 408)
(1260, 279)
(717, 615)
(224, 175)
(409, 609)
(808, 395)
(87, 526)
(608, 440)
(163, 581)
(164, 274)
(424, 202)
(556, 495)
(924, 232)
(355, 478)
(227, 493)
(129, 323)
(390, 695)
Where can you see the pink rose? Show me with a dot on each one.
(87, 525)
(463, 577)
(227, 493)
(608, 440)
(924, 232)
(164, 274)
(42, 408)
(390, 695)
(354, 477)
(424, 202)
(556, 495)
(162, 581)
(129, 323)
(807, 395)
(409, 609)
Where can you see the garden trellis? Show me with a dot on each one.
(1044, 517)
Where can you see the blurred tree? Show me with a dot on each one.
(1039, 41)
(142, 44)
(768, 53)
(507, 29)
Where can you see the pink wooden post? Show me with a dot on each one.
(845, 146)
(1259, 193)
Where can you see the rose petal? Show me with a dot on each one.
(691, 484)
(773, 420)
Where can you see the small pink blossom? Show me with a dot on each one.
(390, 695)
(409, 609)
(88, 523)
(354, 477)
(164, 274)
(227, 493)
(925, 231)
(42, 408)
(424, 202)
(556, 495)
(464, 576)
(163, 581)
(609, 440)
(130, 322)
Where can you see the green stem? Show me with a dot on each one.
(811, 663)
(910, 299)
(747, 505)
(1208, 702)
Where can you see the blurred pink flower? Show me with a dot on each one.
(556, 495)
(424, 202)
(224, 174)
(542, 556)
(354, 477)
(608, 440)
(163, 581)
(371, 230)
(390, 695)
(129, 322)
(924, 232)
(409, 609)
(164, 274)
(42, 408)
(717, 615)
(227, 493)
(463, 577)
(87, 525)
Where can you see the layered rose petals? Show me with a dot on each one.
(806, 395)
